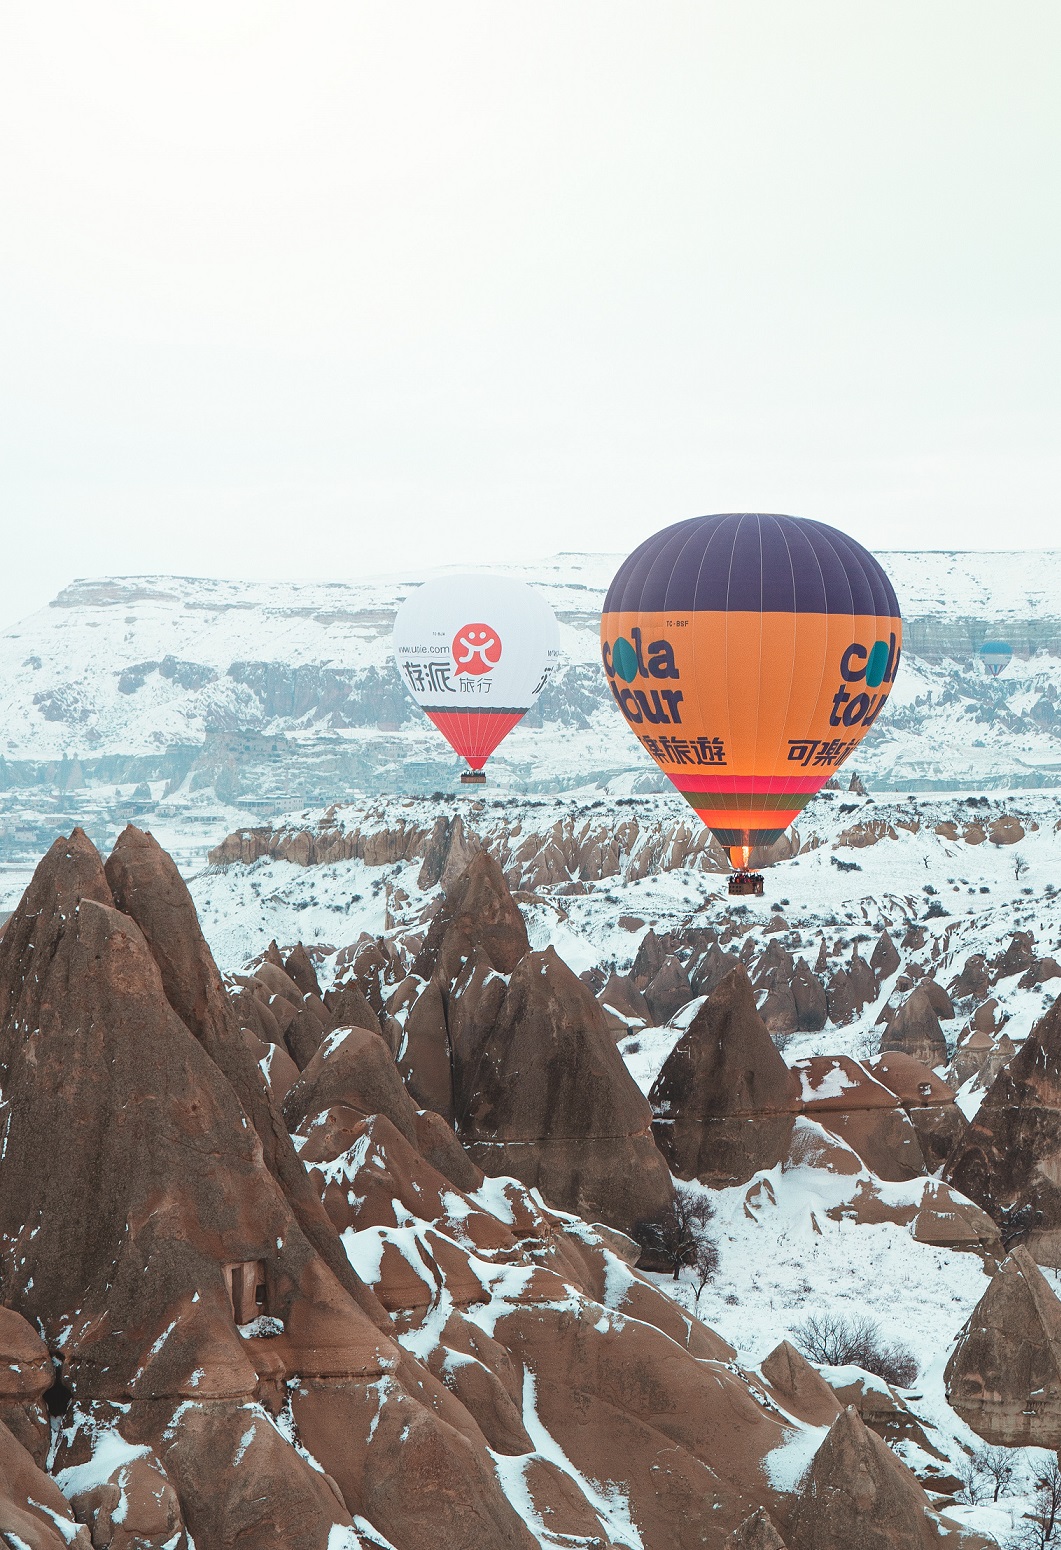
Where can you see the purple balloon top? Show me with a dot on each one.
(751, 562)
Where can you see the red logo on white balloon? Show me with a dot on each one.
(476, 649)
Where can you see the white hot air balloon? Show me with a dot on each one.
(475, 652)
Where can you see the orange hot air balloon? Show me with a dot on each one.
(750, 654)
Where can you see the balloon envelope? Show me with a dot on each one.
(750, 654)
(995, 655)
(475, 652)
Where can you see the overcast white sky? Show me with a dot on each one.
(308, 290)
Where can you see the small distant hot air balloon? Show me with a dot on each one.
(750, 654)
(996, 655)
(475, 652)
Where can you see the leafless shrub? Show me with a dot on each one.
(988, 1473)
(1043, 1525)
(974, 1486)
(676, 1235)
(997, 1466)
(704, 1265)
(836, 1341)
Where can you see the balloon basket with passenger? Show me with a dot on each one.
(742, 882)
(473, 778)
(746, 883)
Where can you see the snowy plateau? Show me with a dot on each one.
(261, 733)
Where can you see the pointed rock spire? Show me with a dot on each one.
(800, 1387)
(299, 967)
(857, 1492)
(149, 889)
(1010, 1157)
(808, 995)
(884, 959)
(551, 1102)
(1004, 1376)
(479, 911)
(915, 1030)
(755, 1533)
(724, 1102)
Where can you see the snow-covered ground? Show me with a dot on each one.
(99, 690)
(783, 1258)
(968, 898)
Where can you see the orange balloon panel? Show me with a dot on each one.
(750, 711)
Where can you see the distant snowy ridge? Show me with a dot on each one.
(272, 694)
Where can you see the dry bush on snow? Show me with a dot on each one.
(835, 1341)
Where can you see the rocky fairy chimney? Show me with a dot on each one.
(724, 1102)
(1004, 1376)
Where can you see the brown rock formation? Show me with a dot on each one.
(668, 990)
(857, 1492)
(150, 1284)
(915, 1031)
(651, 954)
(256, 1016)
(350, 1078)
(621, 995)
(755, 1533)
(479, 911)
(811, 1003)
(1010, 1159)
(349, 1008)
(438, 1146)
(1042, 970)
(135, 1280)
(938, 998)
(774, 974)
(148, 888)
(33, 1511)
(448, 851)
(980, 1054)
(424, 1055)
(26, 1374)
(550, 1101)
(1006, 830)
(473, 1006)
(885, 1412)
(298, 966)
(1004, 1376)
(303, 1037)
(800, 1387)
(1017, 958)
(723, 1105)
(843, 1096)
(974, 982)
(712, 969)
(929, 1102)
(945, 1218)
(884, 959)
(851, 989)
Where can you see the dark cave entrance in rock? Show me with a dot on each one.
(246, 1286)
(58, 1397)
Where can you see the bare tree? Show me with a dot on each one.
(675, 1234)
(1020, 866)
(998, 1466)
(974, 1488)
(704, 1265)
(836, 1341)
(1048, 1496)
(1041, 1527)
